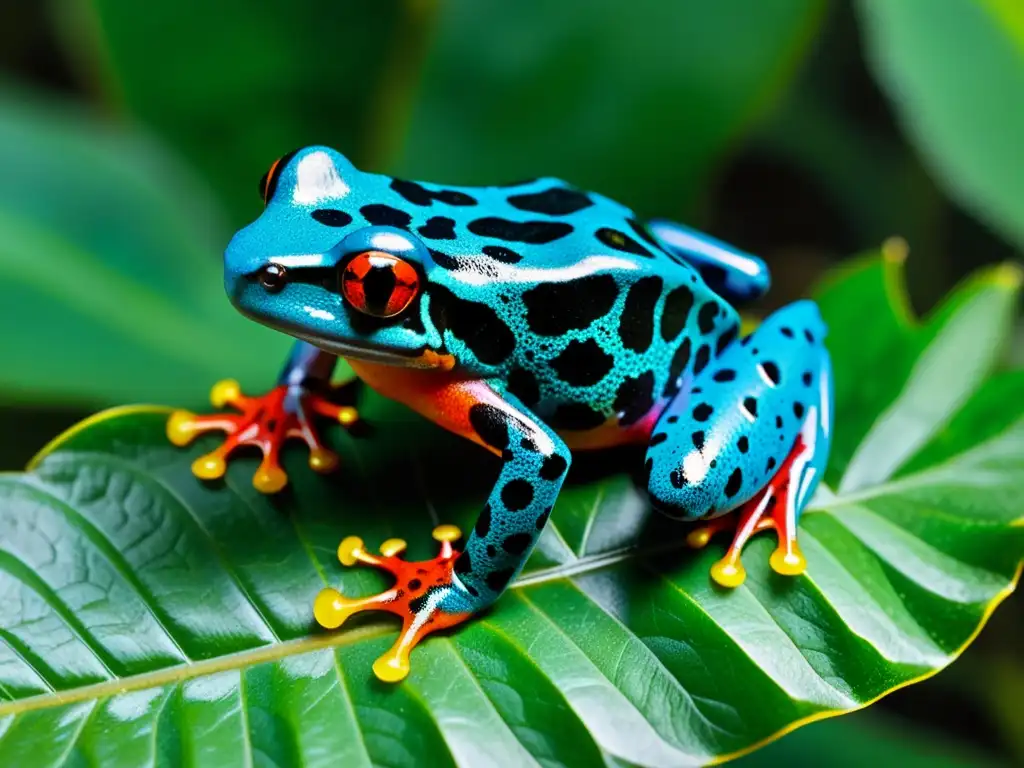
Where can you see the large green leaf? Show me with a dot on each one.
(111, 254)
(635, 100)
(954, 70)
(235, 84)
(146, 617)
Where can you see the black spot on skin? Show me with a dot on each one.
(542, 520)
(798, 410)
(498, 580)
(557, 201)
(445, 260)
(706, 317)
(677, 308)
(452, 197)
(735, 481)
(517, 543)
(642, 233)
(523, 385)
(771, 370)
(507, 456)
(750, 406)
(770, 465)
(491, 424)
(698, 440)
(412, 192)
(534, 232)
(807, 378)
(576, 416)
(701, 360)
(634, 398)
(385, 216)
(463, 564)
(714, 463)
(331, 217)
(438, 228)
(417, 604)
(471, 589)
(743, 444)
(703, 412)
(809, 336)
(554, 467)
(491, 551)
(677, 478)
(553, 309)
(778, 422)
(787, 332)
(528, 445)
(483, 523)
(636, 325)
(726, 339)
(475, 324)
(582, 363)
(415, 584)
(517, 494)
(672, 419)
(502, 254)
(657, 439)
(746, 340)
(726, 374)
(675, 370)
(620, 241)
(417, 194)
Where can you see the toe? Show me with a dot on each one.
(209, 467)
(181, 428)
(269, 479)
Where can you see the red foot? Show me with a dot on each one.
(771, 508)
(418, 589)
(264, 423)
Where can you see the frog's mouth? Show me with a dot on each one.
(368, 353)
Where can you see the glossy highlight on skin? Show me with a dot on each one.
(535, 320)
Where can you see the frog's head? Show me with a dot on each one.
(310, 266)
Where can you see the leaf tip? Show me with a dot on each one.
(895, 249)
(1009, 275)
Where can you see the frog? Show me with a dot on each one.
(536, 320)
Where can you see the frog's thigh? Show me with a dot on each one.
(720, 441)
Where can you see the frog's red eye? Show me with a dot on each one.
(379, 284)
(268, 184)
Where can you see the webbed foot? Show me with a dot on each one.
(773, 507)
(422, 596)
(265, 422)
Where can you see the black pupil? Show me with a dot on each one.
(272, 277)
(378, 285)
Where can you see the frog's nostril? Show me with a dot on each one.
(272, 277)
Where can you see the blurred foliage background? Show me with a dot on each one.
(132, 136)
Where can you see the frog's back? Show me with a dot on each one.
(564, 295)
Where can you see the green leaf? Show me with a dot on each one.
(146, 616)
(636, 100)
(234, 84)
(954, 71)
(114, 255)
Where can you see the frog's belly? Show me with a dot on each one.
(611, 434)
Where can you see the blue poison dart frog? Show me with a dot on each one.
(534, 319)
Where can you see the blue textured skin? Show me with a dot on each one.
(589, 337)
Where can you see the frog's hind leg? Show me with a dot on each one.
(746, 445)
(731, 273)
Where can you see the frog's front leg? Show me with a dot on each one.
(746, 444)
(447, 590)
(286, 412)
